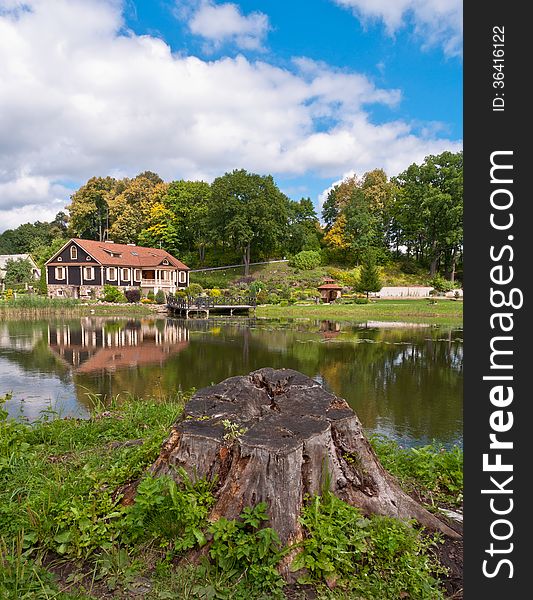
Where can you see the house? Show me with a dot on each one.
(5, 258)
(329, 290)
(81, 268)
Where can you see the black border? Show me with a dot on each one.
(486, 131)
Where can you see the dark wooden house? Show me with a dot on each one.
(81, 268)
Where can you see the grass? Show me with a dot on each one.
(64, 534)
(41, 305)
(281, 274)
(441, 312)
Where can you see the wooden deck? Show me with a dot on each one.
(204, 305)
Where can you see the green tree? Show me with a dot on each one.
(89, 208)
(369, 279)
(428, 211)
(130, 210)
(303, 227)
(249, 212)
(18, 272)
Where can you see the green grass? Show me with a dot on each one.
(281, 274)
(64, 533)
(41, 305)
(442, 312)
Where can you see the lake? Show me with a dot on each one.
(403, 380)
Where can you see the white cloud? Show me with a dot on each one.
(79, 97)
(221, 23)
(437, 22)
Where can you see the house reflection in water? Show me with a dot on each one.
(101, 344)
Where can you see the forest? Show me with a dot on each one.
(414, 217)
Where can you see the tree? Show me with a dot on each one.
(369, 279)
(89, 208)
(247, 211)
(130, 210)
(337, 199)
(18, 272)
(428, 211)
(303, 227)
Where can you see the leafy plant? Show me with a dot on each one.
(377, 557)
(306, 260)
(133, 295)
(112, 294)
(160, 297)
(243, 549)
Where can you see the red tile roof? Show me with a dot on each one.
(330, 286)
(129, 255)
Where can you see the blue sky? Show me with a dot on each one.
(307, 91)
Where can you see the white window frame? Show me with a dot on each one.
(138, 275)
(127, 276)
(62, 271)
(59, 292)
(182, 276)
(88, 273)
(73, 252)
(109, 271)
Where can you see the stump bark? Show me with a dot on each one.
(276, 436)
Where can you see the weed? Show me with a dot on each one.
(377, 557)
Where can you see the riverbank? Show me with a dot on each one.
(65, 534)
(437, 312)
(37, 306)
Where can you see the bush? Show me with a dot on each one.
(147, 301)
(306, 260)
(194, 290)
(214, 293)
(273, 299)
(113, 294)
(150, 295)
(133, 295)
(440, 284)
(262, 297)
(361, 301)
(160, 297)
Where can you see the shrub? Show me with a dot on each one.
(147, 301)
(440, 284)
(150, 295)
(160, 297)
(214, 293)
(133, 295)
(273, 299)
(306, 260)
(361, 301)
(194, 290)
(112, 294)
(262, 297)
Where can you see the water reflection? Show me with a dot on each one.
(402, 381)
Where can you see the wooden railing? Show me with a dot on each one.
(206, 302)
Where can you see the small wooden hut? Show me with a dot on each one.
(329, 290)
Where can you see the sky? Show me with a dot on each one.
(309, 91)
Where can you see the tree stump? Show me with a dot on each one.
(284, 437)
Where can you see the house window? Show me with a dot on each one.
(112, 273)
(59, 292)
(88, 273)
(138, 276)
(73, 253)
(183, 277)
(59, 259)
(125, 276)
(165, 262)
(60, 272)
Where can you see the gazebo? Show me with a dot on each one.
(329, 290)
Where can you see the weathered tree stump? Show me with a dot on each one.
(286, 436)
